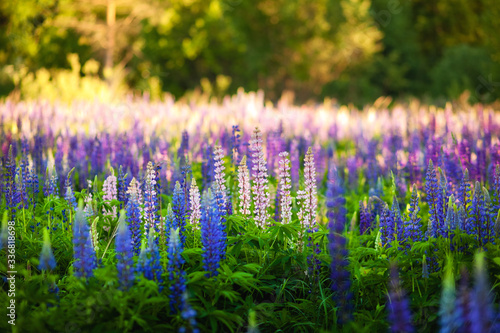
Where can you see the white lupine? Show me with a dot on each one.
(285, 184)
(194, 200)
(219, 173)
(307, 212)
(150, 199)
(110, 193)
(259, 176)
(244, 188)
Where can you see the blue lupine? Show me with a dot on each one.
(176, 274)
(433, 197)
(341, 282)
(398, 307)
(488, 211)
(448, 318)
(398, 221)
(134, 222)
(212, 235)
(124, 254)
(149, 263)
(475, 221)
(496, 186)
(464, 190)
(83, 252)
(179, 209)
(9, 183)
(189, 316)
(47, 260)
(365, 217)
(387, 226)
(70, 198)
(412, 223)
(482, 314)
(122, 187)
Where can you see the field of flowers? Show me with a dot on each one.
(242, 216)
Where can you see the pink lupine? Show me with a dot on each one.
(285, 184)
(219, 173)
(260, 187)
(194, 199)
(307, 212)
(244, 186)
(110, 193)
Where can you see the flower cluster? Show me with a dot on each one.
(194, 199)
(307, 212)
(244, 188)
(83, 251)
(124, 254)
(219, 173)
(176, 274)
(285, 185)
(213, 238)
(260, 187)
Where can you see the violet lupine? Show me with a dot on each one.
(341, 281)
(285, 185)
(365, 217)
(110, 193)
(398, 307)
(124, 254)
(235, 145)
(219, 168)
(489, 216)
(482, 314)
(212, 235)
(475, 221)
(176, 275)
(307, 212)
(464, 191)
(50, 186)
(122, 187)
(194, 199)
(260, 188)
(149, 263)
(180, 214)
(134, 215)
(151, 218)
(413, 221)
(387, 226)
(294, 163)
(47, 260)
(398, 221)
(244, 188)
(83, 251)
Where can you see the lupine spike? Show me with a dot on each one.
(194, 198)
(244, 188)
(124, 254)
(285, 185)
(260, 188)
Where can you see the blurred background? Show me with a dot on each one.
(351, 50)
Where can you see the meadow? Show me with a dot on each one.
(239, 215)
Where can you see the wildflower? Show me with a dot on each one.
(194, 198)
(124, 254)
(176, 274)
(365, 217)
(110, 193)
(150, 200)
(83, 252)
(244, 188)
(219, 173)
(399, 309)
(179, 209)
(387, 226)
(212, 235)
(260, 187)
(285, 185)
(433, 197)
(122, 187)
(47, 260)
(307, 213)
(412, 223)
(149, 264)
(95, 235)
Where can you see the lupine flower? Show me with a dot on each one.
(169, 221)
(412, 223)
(433, 197)
(179, 209)
(94, 235)
(150, 200)
(51, 186)
(365, 217)
(285, 185)
(194, 198)
(83, 252)
(448, 318)
(463, 191)
(122, 187)
(307, 213)
(124, 254)
(70, 198)
(176, 274)
(399, 309)
(110, 193)
(398, 221)
(212, 235)
(189, 316)
(219, 173)
(341, 281)
(47, 260)
(235, 145)
(482, 314)
(149, 263)
(260, 187)
(244, 188)
(387, 226)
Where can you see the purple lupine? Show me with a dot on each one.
(294, 163)
(365, 217)
(219, 175)
(235, 146)
(194, 199)
(150, 200)
(122, 187)
(340, 275)
(464, 190)
(180, 214)
(83, 251)
(399, 308)
(307, 213)
(176, 275)
(284, 187)
(387, 226)
(475, 221)
(47, 260)
(124, 254)
(399, 227)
